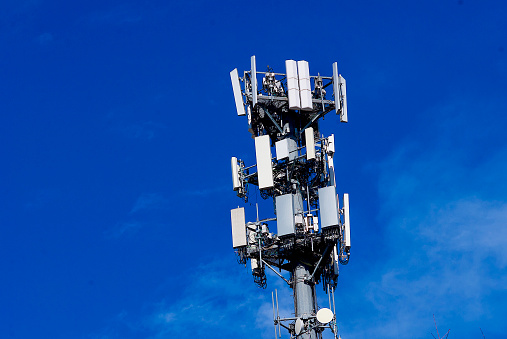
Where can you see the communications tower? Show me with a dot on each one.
(312, 222)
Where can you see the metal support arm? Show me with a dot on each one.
(326, 252)
(278, 274)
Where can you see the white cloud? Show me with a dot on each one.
(449, 263)
(145, 202)
(205, 192)
(149, 201)
(219, 301)
(445, 245)
(123, 228)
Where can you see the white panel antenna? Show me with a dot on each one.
(346, 214)
(293, 84)
(238, 97)
(310, 143)
(336, 269)
(282, 149)
(336, 87)
(332, 177)
(249, 118)
(235, 173)
(238, 227)
(305, 89)
(286, 148)
(264, 166)
(330, 144)
(343, 98)
(328, 207)
(254, 81)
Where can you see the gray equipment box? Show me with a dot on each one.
(285, 223)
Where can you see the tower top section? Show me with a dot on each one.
(282, 102)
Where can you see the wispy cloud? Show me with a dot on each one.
(150, 201)
(215, 302)
(445, 247)
(122, 229)
(206, 191)
(449, 262)
(220, 301)
(136, 220)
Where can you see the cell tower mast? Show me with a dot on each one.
(312, 231)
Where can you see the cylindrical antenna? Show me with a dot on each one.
(329, 295)
(274, 317)
(278, 314)
(334, 305)
(334, 311)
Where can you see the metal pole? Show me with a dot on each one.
(304, 298)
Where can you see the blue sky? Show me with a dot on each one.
(117, 124)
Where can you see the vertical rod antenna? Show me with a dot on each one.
(334, 311)
(274, 317)
(278, 314)
(329, 295)
(334, 305)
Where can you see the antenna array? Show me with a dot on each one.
(312, 232)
